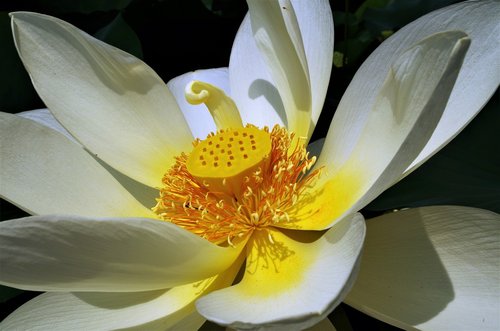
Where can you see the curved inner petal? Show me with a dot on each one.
(277, 34)
(252, 87)
(479, 20)
(315, 21)
(407, 110)
(292, 278)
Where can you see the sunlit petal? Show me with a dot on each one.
(316, 26)
(171, 309)
(407, 110)
(477, 81)
(73, 253)
(277, 35)
(45, 117)
(253, 86)
(432, 268)
(113, 103)
(143, 193)
(292, 279)
(43, 172)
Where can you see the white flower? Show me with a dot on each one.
(108, 261)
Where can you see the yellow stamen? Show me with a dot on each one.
(221, 107)
(225, 203)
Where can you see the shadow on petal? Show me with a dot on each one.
(399, 278)
(263, 88)
(118, 300)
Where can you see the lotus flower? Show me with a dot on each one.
(224, 154)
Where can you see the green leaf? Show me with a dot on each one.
(466, 172)
(119, 34)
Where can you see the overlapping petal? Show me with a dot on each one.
(292, 279)
(262, 85)
(432, 268)
(170, 309)
(73, 253)
(407, 110)
(42, 172)
(316, 27)
(112, 102)
(277, 35)
(475, 84)
(45, 117)
(252, 88)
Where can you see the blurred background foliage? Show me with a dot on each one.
(176, 36)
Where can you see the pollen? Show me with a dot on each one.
(236, 181)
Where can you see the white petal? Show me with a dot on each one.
(171, 309)
(44, 117)
(198, 117)
(432, 268)
(98, 311)
(277, 35)
(143, 193)
(404, 116)
(111, 102)
(292, 279)
(316, 26)
(477, 81)
(70, 253)
(43, 172)
(252, 88)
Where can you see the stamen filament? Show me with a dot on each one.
(269, 192)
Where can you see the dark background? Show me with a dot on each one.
(177, 36)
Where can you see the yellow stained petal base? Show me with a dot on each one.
(276, 263)
(328, 200)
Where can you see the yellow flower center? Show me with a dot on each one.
(224, 195)
(222, 161)
(236, 181)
